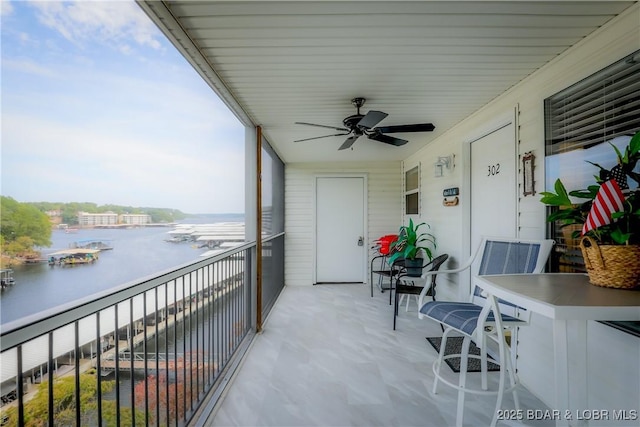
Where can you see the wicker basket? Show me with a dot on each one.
(611, 266)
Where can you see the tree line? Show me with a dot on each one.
(24, 226)
(70, 211)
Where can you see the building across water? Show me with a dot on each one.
(86, 219)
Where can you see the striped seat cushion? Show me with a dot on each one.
(462, 316)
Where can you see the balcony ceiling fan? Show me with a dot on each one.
(359, 125)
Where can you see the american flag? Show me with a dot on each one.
(608, 200)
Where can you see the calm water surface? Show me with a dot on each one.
(137, 253)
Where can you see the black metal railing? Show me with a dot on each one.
(272, 271)
(147, 353)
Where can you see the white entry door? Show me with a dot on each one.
(493, 185)
(340, 225)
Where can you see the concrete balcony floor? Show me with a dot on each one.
(328, 356)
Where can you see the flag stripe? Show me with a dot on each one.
(607, 203)
(616, 199)
(608, 200)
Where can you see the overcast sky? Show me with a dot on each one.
(97, 106)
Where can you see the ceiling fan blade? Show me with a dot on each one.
(348, 142)
(371, 119)
(322, 126)
(318, 137)
(422, 127)
(388, 139)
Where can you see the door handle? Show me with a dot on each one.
(361, 241)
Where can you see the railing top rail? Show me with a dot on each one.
(273, 237)
(29, 327)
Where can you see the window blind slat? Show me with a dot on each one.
(614, 99)
(609, 118)
(596, 109)
(609, 83)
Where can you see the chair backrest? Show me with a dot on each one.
(498, 255)
(435, 265)
(511, 256)
(383, 243)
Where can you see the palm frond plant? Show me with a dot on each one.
(410, 244)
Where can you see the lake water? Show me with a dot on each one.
(137, 253)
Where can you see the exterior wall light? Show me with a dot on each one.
(444, 162)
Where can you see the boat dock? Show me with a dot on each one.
(6, 278)
(99, 244)
(76, 256)
(211, 236)
(141, 361)
(166, 317)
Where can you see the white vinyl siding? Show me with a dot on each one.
(384, 210)
(612, 354)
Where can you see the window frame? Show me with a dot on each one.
(588, 114)
(413, 191)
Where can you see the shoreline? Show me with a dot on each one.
(7, 261)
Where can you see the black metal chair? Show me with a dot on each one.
(386, 271)
(409, 285)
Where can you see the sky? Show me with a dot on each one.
(97, 106)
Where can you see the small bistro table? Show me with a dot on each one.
(567, 299)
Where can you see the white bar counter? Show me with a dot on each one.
(570, 301)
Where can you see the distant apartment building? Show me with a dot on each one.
(135, 219)
(86, 219)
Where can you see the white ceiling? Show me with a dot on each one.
(303, 61)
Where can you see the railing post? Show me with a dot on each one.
(76, 363)
(132, 334)
(20, 387)
(98, 366)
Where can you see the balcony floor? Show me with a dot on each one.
(328, 356)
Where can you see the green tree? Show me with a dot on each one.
(164, 215)
(172, 393)
(36, 410)
(23, 220)
(22, 246)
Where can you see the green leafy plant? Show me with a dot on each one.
(410, 244)
(624, 228)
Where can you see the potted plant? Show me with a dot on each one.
(410, 245)
(608, 220)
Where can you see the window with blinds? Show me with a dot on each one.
(581, 122)
(596, 109)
